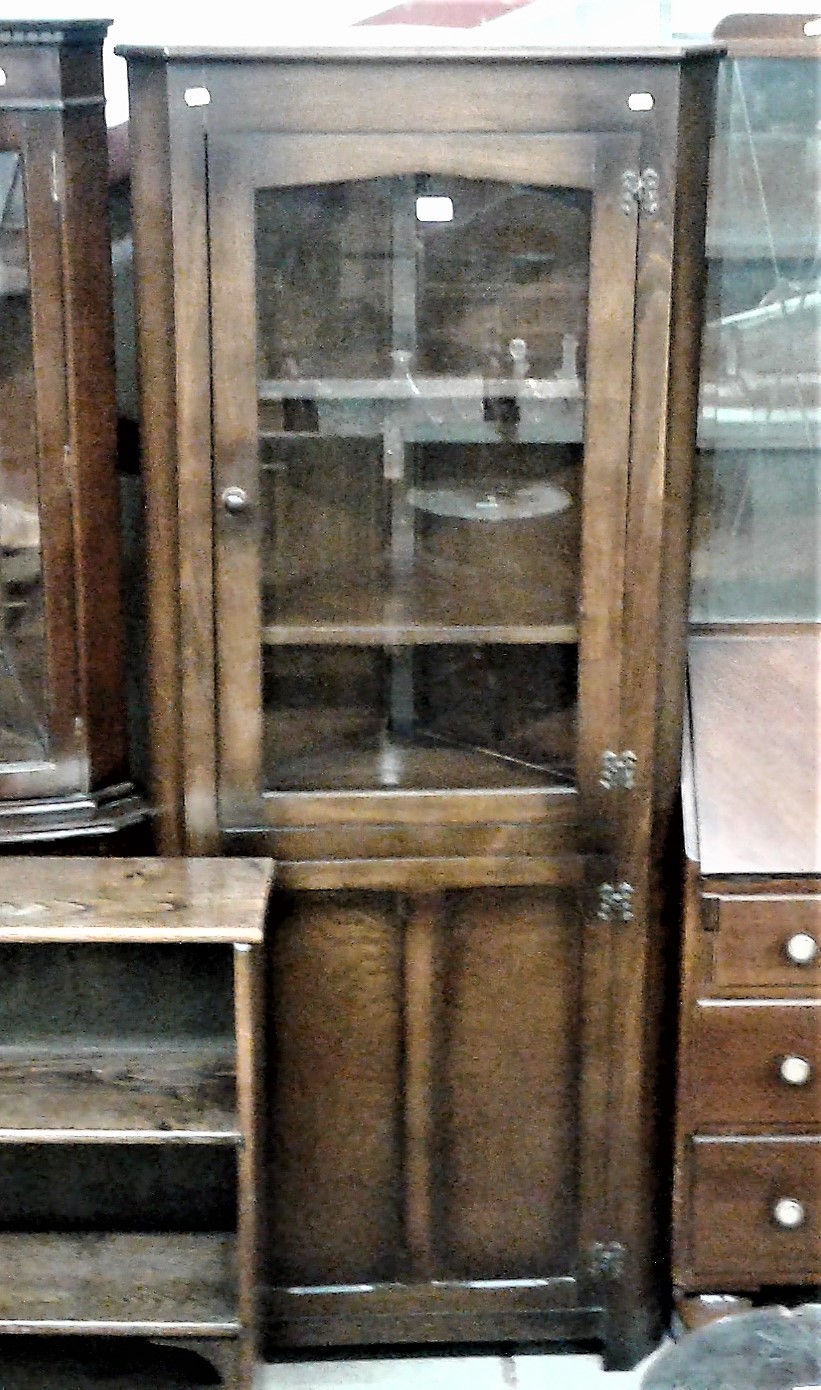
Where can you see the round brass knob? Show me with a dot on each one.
(235, 500)
(788, 1213)
(795, 1071)
(802, 949)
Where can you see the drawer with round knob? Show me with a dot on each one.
(754, 1210)
(754, 1064)
(768, 942)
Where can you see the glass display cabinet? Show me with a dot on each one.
(756, 545)
(747, 1221)
(62, 723)
(420, 337)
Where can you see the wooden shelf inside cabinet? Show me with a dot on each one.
(132, 1012)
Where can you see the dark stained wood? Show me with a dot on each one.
(130, 1097)
(512, 965)
(447, 1311)
(76, 781)
(84, 1092)
(249, 972)
(738, 1052)
(130, 1284)
(747, 1132)
(749, 948)
(153, 290)
(461, 1091)
(334, 1127)
(734, 1241)
(757, 771)
(422, 1055)
(769, 35)
(138, 900)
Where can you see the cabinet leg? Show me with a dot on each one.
(697, 1310)
(633, 1330)
(234, 1361)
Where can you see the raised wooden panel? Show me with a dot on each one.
(510, 969)
(424, 1111)
(335, 1157)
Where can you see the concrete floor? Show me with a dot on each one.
(31, 1365)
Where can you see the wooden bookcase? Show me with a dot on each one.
(130, 1083)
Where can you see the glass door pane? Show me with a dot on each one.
(421, 349)
(757, 551)
(422, 385)
(22, 634)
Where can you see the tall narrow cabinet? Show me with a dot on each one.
(63, 749)
(418, 359)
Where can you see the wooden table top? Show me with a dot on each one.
(752, 778)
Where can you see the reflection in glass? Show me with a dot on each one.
(22, 650)
(758, 521)
(420, 345)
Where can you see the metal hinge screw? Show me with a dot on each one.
(640, 187)
(618, 770)
(606, 1260)
(615, 902)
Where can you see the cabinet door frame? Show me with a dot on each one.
(239, 164)
(37, 138)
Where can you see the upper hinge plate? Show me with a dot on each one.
(615, 902)
(618, 770)
(640, 187)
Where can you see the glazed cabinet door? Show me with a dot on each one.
(436, 1116)
(38, 675)
(421, 396)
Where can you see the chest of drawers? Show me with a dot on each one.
(748, 1139)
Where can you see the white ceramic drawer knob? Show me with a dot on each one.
(795, 1071)
(788, 1213)
(802, 949)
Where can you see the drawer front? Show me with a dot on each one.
(768, 942)
(755, 1064)
(754, 1211)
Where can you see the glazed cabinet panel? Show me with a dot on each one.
(403, 342)
(63, 758)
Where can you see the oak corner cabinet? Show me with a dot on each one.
(130, 1095)
(419, 338)
(63, 748)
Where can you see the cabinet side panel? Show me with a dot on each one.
(154, 291)
(335, 1036)
(92, 423)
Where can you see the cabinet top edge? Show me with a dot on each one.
(399, 56)
(53, 31)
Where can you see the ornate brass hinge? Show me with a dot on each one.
(640, 187)
(618, 770)
(606, 1260)
(615, 902)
